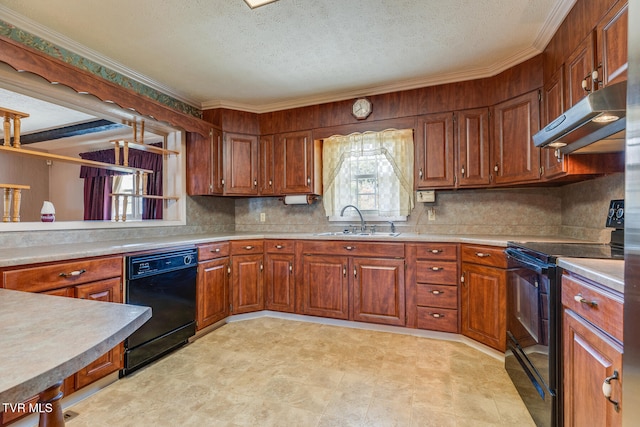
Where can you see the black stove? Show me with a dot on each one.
(550, 251)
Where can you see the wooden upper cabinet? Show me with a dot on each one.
(514, 157)
(611, 35)
(240, 164)
(579, 66)
(434, 151)
(266, 181)
(204, 163)
(473, 147)
(297, 167)
(553, 102)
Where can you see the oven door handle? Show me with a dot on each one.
(527, 261)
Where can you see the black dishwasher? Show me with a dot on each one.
(166, 282)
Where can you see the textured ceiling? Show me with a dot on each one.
(293, 52)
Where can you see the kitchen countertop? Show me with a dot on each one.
(608, 272)
(46, 338)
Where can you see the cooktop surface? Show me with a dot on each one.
(571, 250)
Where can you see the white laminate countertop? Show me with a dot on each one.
(36, 254)
(46, 338)
(608, 272)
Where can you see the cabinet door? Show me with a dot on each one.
(204, 163)
(483, 304)
(325, 286)
(590, 356)
(473, 147)
(240, 164)
(434, 151)
(109, 291)
(514, 157)
(279, 282)
(378, 291)
(553, 99)
(246, 283)
(294, 163)
(266, 169)
(612, 44)
(212, 292)
(579, 65)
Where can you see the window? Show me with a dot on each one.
(371, 170)
(124, 184)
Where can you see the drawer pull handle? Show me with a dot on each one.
(73, 273)
(606, 389)
(248, 247)
(436, 251)
(579, 298)
(278, 246)
(482, 255)
(437, 268)
(437, 292)
(436, 315)
(216, 250)
(349, 248)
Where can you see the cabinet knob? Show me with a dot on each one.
(436, 251)
(73, 273)
(482, 255)
(349, 248)
(579, 298)
(436, 268)
(309, 180)
(437, 292)
(255, 182)
(270, 182)
(496, 168)
(216, 250)
(278, 246)
(420, 173)
(248, 247)
(462, 171)
(436, 315)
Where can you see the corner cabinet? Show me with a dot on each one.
(515, 159)
(297, 164)
(592, 353)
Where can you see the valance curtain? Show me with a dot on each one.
(97, 183)
(393, 153)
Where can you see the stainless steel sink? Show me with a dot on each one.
(350, 234)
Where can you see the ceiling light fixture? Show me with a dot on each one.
(257, 3)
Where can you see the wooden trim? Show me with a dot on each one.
(403, 123)
(23, 58)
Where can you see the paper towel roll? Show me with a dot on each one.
(298, 200)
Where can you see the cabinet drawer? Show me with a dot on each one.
(279, 246)
(354, 248)
(446, 251)
(485, 255)
(445, 272)
(437, 296)
(243, 247)
(598, 306)
(60, 275)
(213, 250)
(438, 319)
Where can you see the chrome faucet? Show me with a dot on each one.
(393, 226)
(363, 227)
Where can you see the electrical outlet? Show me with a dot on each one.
(263, 217)
(431, 214)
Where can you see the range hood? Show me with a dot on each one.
(595, 124)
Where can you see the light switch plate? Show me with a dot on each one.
(427, 196)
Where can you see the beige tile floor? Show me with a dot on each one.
(276, 372)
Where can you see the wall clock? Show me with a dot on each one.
(361, 108)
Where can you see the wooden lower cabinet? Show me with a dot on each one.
(212, 291)
(246, 283)
(325, 286)
(378, 291)
(592, 352)
(279, 282)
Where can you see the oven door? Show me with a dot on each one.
(531, 358)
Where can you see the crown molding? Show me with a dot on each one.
(65, 42)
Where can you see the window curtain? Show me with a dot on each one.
(393, 148)
(97, 183)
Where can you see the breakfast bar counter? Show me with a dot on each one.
(46, 338)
